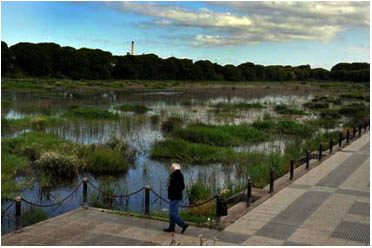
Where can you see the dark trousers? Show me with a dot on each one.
(174, 218)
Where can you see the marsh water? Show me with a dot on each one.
(140, 132)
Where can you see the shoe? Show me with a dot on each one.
(168, 230)
(184, 228)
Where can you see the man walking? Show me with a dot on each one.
(175, 188)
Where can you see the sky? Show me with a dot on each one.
(321, 34)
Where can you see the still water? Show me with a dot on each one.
(141, 133)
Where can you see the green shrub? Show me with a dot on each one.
(354, 109)
(327, 99)
(329, 113)
(244, 133)
(171, 124)
(5, 106)
(181, 150)
(284, 109)
(136, 108)
(35, 122)
(198, 191)
(206, 135)
(58, 164)
(187, 103)
(111, 187)
(324, 139)
(223, 106)
(33, 215)
(327, 123)
(355, 96)
(155, 119)
(31, 144)
(102, 160)
(91, 113)
(284, 127)
(264, 125)
(316, 105)
(12, 165)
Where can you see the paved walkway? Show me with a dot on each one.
(327, 206)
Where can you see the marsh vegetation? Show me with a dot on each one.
(126, 138)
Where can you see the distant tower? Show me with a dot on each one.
(132, 48)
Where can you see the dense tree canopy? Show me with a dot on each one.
(52, 60)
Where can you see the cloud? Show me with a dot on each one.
(177, 16)
(358, 50)
(257, 22)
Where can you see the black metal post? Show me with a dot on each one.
(354, 132)
(218, 210)
(85, 191)
(272, 180)
(347, 136)
(291, 171)
(340, 139)
(330, 146)
(320, 152)
(249, 191)
(365, 126)
(147, 200)
(18, 212)
(360, 130)
(307, 159)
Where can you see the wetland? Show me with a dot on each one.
(55, 132)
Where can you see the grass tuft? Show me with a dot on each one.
(91, 113)
(284, 109)
(136, 108)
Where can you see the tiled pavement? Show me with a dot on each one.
(327, 206)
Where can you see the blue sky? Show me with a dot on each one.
(289, 33)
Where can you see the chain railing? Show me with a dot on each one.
(58, 203)
(221, 204)
(319, 154)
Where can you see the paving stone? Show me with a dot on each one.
(352, 192)
(142, 234)
(352, 231)
(323, 189)
(360, 208)
(105, 239)
(299, 186)
(231, 237)
(365, 148)
(290, 243)
(311, 211)
(359, 179)
(336, 177)
(205, 232)
(331, 241)
(184, 240)
(357, 218)
(244, 226)
(119, 241)
(276, 231)
(286, 222)
(15, 238)
(257, 240)
(309, 236)
(354, 243)
(111, 228)
(318, 173)
(219, 243)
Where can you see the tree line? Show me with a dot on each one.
(52, 60)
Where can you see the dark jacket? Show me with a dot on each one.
(176, 186)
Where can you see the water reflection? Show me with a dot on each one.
(141, 133)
